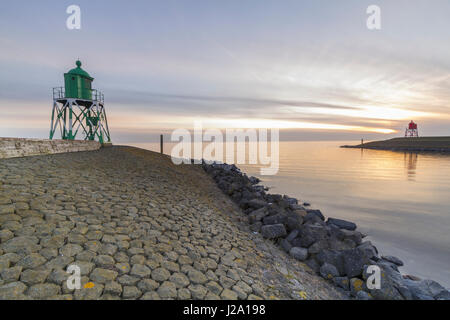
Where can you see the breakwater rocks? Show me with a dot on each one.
(138, 227)
(332, 247)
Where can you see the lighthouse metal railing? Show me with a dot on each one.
(59, 93)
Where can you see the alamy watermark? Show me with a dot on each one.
(74, 20)
(209, 145)
(374, 20)
(374, 279)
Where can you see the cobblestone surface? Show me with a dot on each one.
(139, 227)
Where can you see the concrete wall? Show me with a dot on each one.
(17, 147)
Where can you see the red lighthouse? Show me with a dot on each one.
(412, 130)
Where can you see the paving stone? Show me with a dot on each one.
(167, 290)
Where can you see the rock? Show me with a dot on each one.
(12, 291)
(31, 277)
(292, 235)
(342, 282)
(113, 288)
(342, 224)
(89, 293)
(160, 274)
(313, 264)
(257, 215)
(390, 282)
(59, 262)
(311, 233)
(254, 180)
(167, 290)
(240, 292)
(433, 287)
(257, 203)
(6, 209)
(43, 290)
(228, 294)
(70, 250)
(184, 294)
(332, 257)
(393, 259)
(273, 231)
(363, 295)
(285, 245)
(122, 267)
(179, 279)
(140, 270)
(23, 244)
(444, 295)
(104, 261)
(318, 246)
(5, 235)
(197, 277)
(147, 285)
(127, 280)
(32, 261)
(368, 249)
(198, 291)
(310, 213)
(298, 253)
(58, 276)
(279, 218)
(293, 223)
(356, 285)
(256, 227)
(11, 274)
(214, 287)
(354, 262)
(100, 275)
(355, 236)
(422, 290)
(328, 271)
(131, 292)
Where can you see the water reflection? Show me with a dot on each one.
(410, 160)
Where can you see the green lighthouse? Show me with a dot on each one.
(79, 109)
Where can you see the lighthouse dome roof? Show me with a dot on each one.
(79, 71)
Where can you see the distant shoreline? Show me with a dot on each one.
(421, 144)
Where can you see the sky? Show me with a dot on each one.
(311, 68)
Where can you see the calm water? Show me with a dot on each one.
(401, 200)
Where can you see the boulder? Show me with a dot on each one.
(317, 213)
(342, 282)
(285, 245)
(275, 219)
(311, 233)
(328, 271)
(292, 235)
(354, 261)
(369, 250)
(333, 257)
(318, 246)
(257, 215)
(391, 284)
(393, 259)
(355, 236)
(273, 231)
(257, 203)
(342, 224)
(298, 253)
(256, 227)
